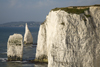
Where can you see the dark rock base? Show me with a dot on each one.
(14, 58)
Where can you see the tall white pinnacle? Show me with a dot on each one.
(28, 39)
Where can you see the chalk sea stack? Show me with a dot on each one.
(15, 47)
(28, 39)
(70, 37)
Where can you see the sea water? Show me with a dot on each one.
(29, 50)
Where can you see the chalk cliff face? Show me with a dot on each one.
(70, 39)
(28, 39)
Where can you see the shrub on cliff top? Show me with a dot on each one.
(72, 10)
(96, 5)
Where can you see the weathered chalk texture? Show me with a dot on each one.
(15, 47)
(28, 39)
(70, 39)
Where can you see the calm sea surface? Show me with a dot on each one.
(28, 53)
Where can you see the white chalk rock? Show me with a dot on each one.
(70, 40)
(15, 47)
(28, 39)
(41, 47)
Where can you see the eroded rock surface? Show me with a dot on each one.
(71, 40)
(15, 47)
(28, 39)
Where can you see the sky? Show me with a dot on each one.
(34, 10)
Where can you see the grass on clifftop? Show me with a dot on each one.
(97, 5)
(71, 10)
(75, 9)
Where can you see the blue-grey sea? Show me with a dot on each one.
(28, 51)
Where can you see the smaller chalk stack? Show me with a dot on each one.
(28, 39)
(15, 47)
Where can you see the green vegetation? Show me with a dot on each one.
(75, 9)
(43, 60)
(72, 10)
(39, 61)
(43, 22)
(88, 15)
(97, 5)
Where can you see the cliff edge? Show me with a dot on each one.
(70, 37)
